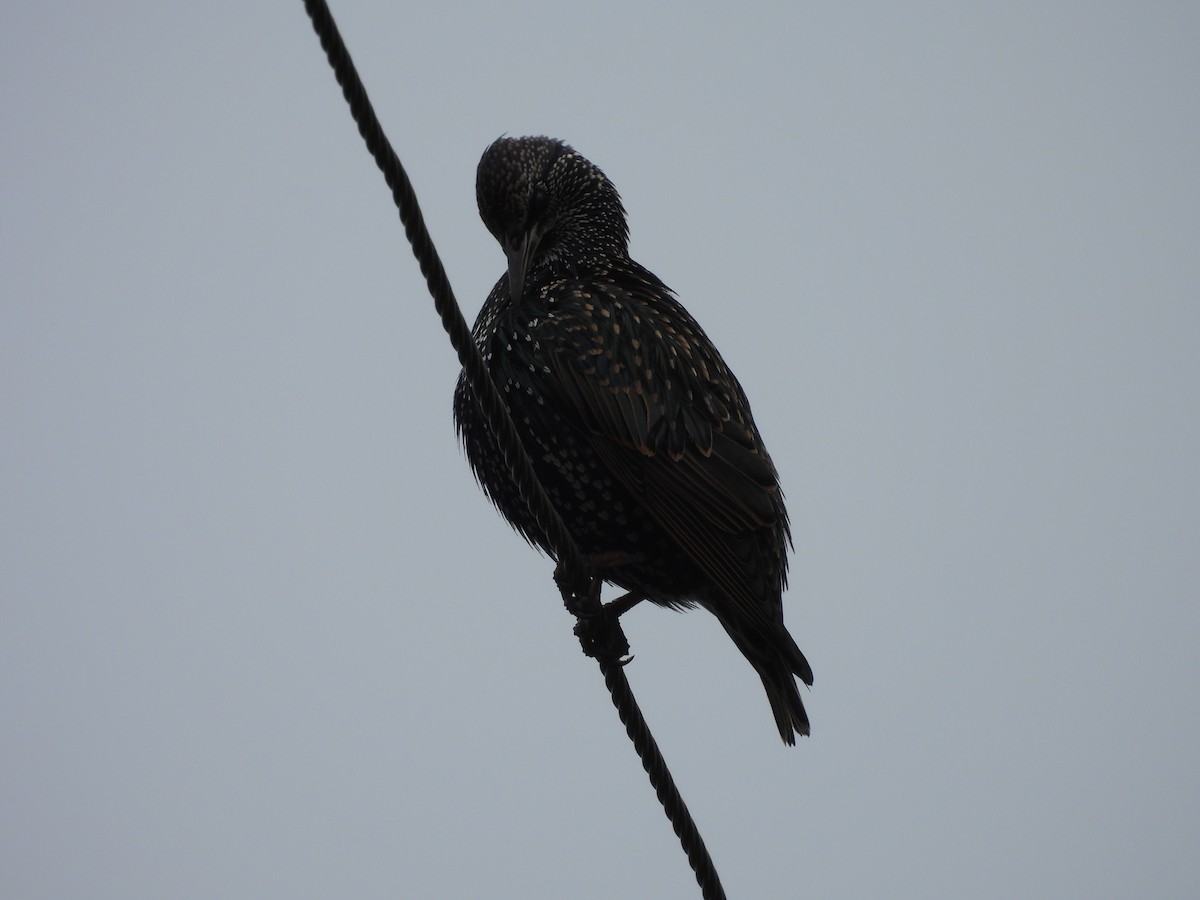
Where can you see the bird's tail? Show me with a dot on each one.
(778, 661)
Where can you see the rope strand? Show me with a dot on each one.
(571, 574)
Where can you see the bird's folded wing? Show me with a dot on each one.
(700, 471)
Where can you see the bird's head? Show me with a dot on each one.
(546, 204)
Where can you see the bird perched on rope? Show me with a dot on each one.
(639, 432)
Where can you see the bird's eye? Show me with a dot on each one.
(539, 201)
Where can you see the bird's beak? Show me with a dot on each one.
(519, 255)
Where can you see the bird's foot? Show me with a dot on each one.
(623, 604)
(596, 567)
(600, 633)
(598, 625)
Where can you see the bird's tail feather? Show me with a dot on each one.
(779, 662)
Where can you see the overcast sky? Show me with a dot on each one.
(262, 636)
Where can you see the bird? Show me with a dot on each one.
(638, 430)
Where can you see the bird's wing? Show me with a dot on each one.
(672, 424)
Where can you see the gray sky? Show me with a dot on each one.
(261, 634)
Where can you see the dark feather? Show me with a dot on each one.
(637, 428)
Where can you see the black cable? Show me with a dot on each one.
(571, 575)
(439, 286)
(662, 782)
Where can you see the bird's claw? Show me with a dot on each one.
(602, 638)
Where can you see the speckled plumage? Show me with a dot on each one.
(641, 435)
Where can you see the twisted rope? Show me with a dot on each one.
(571, 576)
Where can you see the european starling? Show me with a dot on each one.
(639, 432)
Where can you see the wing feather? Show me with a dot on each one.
(684, 446)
